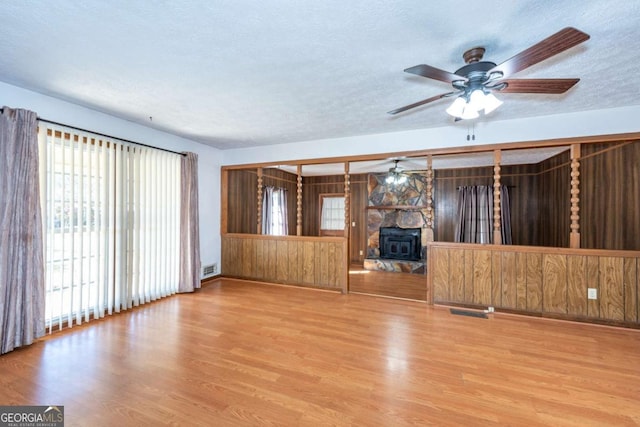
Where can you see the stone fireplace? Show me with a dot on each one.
(394, 211)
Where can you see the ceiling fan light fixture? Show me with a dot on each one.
(491, 103)
(476, 100)
(457, 108)
(469, 113)
(390, 179)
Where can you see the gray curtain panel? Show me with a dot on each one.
(189, 224)
(22, 288)
(475, 214)
(505, 215)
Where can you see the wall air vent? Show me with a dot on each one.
(208, 270)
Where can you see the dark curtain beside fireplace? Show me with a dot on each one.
(475, 215)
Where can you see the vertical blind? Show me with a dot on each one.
(111, 220)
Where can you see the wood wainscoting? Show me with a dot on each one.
(319, 262)
(551, 282)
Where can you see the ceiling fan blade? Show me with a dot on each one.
(434, 73)
(552, 45)
(553, 86)
(419, 103)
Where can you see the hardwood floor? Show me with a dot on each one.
(397, 285)
(243, 353)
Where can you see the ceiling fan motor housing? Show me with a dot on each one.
(476, 74)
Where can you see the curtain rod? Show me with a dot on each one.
(109, 136)
(104, 135)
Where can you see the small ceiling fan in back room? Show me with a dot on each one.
(475, 82)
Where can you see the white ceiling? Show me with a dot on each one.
(241, 73)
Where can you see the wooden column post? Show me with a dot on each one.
(429, 193)
(299, 203)
(574, 237)
(224, 202)
(347, 228)
(497, 223)
(259, 202)
(347, 204)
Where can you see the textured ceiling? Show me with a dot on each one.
(241, 73)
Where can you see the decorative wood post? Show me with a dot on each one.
(497, 234)
(347, 226)
(574, 237)
(224, 202)
(299, 203)
(259, 204)
(429, 193)
(347, 204)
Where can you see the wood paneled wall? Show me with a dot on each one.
(358, 232)
(522, 183)
(445, 193)
(547, 281)
(539, 200)
(242, 193)
(610, 196)
(318, 262)
(313, 186)
(554, 201)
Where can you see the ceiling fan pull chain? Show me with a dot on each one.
(471, 135)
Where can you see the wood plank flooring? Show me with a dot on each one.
(244, 354)
(388, 284)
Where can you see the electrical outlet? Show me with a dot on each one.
(353, 224)
(592, 293)
(361, 252)
(491, 309)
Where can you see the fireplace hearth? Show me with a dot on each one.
(400, 243)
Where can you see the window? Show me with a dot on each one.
(274, 211)
(331, 215)
(111, 220)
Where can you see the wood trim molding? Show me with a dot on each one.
(247, 236)
(537, 249)
(623, 137)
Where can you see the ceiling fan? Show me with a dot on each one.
(475, 82)
(396, 175)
